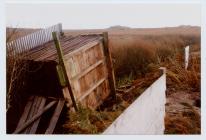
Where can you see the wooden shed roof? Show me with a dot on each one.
(47, 51)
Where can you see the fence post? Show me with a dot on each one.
(61, 62)
(111, 76)
(61, 33)
(187, 49)
(162, 70)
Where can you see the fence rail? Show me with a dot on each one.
(32, 40)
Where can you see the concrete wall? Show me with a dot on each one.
(145, 115)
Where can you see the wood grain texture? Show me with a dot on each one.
(111, 76)
(64, 70)
(33, 106)
(55, 117)
(25, 112)
(36, 123)
(87, 67)
(33, 111)
(35, 117)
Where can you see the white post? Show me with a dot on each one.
(187, 48)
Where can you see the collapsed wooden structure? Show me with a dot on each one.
(83, 67)
(31, 116)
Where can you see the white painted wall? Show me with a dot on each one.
(187, 49)
(146, 114)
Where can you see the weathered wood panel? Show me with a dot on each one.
(33, 111)
(87, 71)
(111, 77)
(32, 107)
(55, 117)
(36, 123)
(26, 112)
(34, 118)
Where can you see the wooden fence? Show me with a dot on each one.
(30, 41)
(88, 73)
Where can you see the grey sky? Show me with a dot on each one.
(89, 16)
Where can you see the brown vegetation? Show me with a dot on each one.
(137, 54)
(15, 71)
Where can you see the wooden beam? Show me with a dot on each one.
(33, 111)
(82, 49)
(91, 89)
(78, 76)
(26, 112)
(61, 62)
(36, 123)
(35, 117)
(61, 75)
(55, 117)
(111, 76)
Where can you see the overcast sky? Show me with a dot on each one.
(93, 16)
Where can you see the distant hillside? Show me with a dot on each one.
(122, 30)
(118, 27)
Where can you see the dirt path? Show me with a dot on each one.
(182, 112)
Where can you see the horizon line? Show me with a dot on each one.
(112, 26)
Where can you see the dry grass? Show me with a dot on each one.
(15, 72)
(130, 57)
(136, 55)
(184, 79)
(87, 121)
(186, 123)
(16, 75)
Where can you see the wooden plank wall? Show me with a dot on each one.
(30, 41)
(87, 71)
